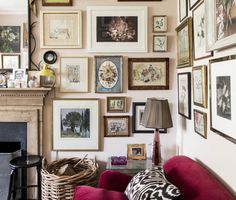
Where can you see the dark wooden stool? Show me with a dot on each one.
(24, 162)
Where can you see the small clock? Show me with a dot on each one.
(50, 57)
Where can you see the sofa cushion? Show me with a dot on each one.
(151, 184)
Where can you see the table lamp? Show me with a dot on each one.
(156, 115)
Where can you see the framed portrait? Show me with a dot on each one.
(74, 74)
(61, 29)
(10, 61)
(10, 39)
(200, 123)
(200, 86)
(117, 126)
(117, 29)
(159, 43)
(116, 104)
(159, 23)
(184, 94)
(184, 43)
(136, 151)
(19, 74)
(223, 96)
(108, 73)
(193, 3)
(199, 32)
(35, 77)
(57, 2)
(76, 124)
(183, 9)
(148, 73)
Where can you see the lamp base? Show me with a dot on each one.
(156, 153)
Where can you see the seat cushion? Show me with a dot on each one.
(91, 193)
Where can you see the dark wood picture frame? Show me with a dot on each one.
(121, 100)
(191, 6)
(45, 3)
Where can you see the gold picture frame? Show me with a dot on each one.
(116, 104)
(57, 2)
(136, 151)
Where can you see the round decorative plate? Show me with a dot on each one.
(50, 57)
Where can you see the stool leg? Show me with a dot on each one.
(10, 185)
(15, 184)
(39, 181)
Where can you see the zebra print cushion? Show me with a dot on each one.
(151, 184)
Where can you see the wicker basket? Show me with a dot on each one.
(62, 187)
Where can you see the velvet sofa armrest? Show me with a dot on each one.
(114, 180)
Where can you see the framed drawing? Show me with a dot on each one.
(108, 73)
(116, 126)
(10, 39)
(183, 9)
(10, 61)
(57, 2)
(19, 74)
(159, 23)
(116, 104)
(76, 124)
(148, 73)
(74, 74)
(193, 3)
(61, 29)
(136, 151)
(223, 96)
(199, 32)
(117, 29)
(184, 94)
(184, 43)
(200, 123)
(159, 43)
(200, 86)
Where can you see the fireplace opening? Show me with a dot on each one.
(9, 147)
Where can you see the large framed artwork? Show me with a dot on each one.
(76, 124)
(184, 43)
(117, 29)
(61, 29)
(200, 123)
(148, 73)
(223, 96)
(108, 73)
(183, 9)
(74, 74)
(199, 77)
(184, 94)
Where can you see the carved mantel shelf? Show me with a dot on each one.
(24, 92)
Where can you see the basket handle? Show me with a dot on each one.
(80, 161)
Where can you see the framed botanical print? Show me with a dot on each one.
(159, 23)
(184, 94)
(136, 151)
(57, 2)
(76, 124)
(223, 96)
(61, 29)
(192, 3)
(10, 61)
(108, 73)
(184, 43)
(199, 77)
(74, 74)
(159, 43)
(183, 9)
(148, 73)
(116, 104)
(200, 123)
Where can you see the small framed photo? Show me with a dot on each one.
(148, 73)
(108, 73)
(19, 74)
(117, 126)
(200, 123)
(57, 2)
(136, 151)
(183, 9)
(116, 104)
(74, 74)
(159, 43)
(10, 61)
(159, 23)
(34, 78)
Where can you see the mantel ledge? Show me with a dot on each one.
(24, 92)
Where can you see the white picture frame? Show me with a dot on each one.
(10, 61)
(19, 74)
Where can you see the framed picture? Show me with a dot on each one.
(136, 151)
(200, 123)
(108, 73)
(148, 73)
(159, 23)
(10, 61)
(76, 124)
(183, 9)
(117, 126)
(200, 86)
(221, 24)
(184, 43)
(57, 2)
(74, 74)
(139, 0)
(223, 96)
(25, 37)
(19, 74)
(35, 77)
(159, 43)
(116, 104)
(61, 29)
(184, 94)
(10, 39)
(25, 60)
(117, 29)
(199, 32)
(4, 77)
(192, 3)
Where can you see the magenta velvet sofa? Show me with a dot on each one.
(194, 182)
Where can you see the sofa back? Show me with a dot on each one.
(194, 181)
